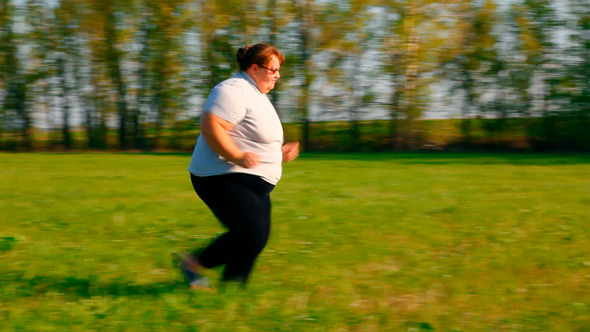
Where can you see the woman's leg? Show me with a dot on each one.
(242, 204)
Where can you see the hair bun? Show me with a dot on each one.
(241, 55)
(242, 51)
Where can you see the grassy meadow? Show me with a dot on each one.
(360, 242)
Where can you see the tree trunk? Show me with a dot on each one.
(114, 64)
(306, 19)
(65, 128)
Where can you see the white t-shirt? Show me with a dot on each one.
(257, 128)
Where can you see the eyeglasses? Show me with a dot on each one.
(274, 71)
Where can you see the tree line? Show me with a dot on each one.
(142, 68)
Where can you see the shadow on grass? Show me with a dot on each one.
(16, 285)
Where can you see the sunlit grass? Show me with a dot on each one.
(360, 242)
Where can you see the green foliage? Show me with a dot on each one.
(360, 242)
(511, 134)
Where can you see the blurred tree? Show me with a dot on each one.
(412, 30)
(275, 24)
(346, 42)
(470, 58)
(105, 27)
(305, 18)
(15, 117)
(144, 100)
(5, 49)
(279, 14)
(161, 35)
(572, 88)
(97, 95)
(68, 64)
(56, 63)
(535, 25)
(223, 27)
(94, 92)
(40, 19)
(581, 67)
(114, 57)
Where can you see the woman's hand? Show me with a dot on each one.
(290, 151)
(249, 159)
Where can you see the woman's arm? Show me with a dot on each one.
(215, 131)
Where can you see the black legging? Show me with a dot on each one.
(242, 203)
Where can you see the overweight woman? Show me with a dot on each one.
(236, 163)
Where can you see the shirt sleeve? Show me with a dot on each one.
(227, 102)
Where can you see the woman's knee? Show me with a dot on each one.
(253, 242)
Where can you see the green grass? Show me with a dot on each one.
(360, 242)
